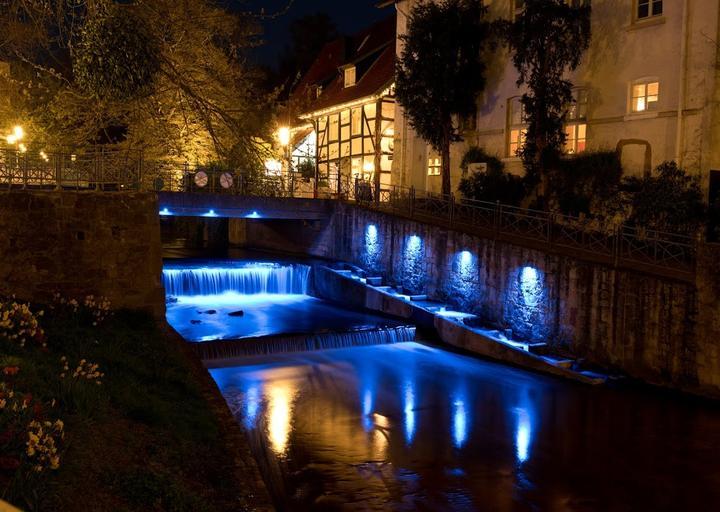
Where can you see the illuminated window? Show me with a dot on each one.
(434, 166)
(517, 126)
(575, 138)
(645, 96)
(649, 8)
(350, 76)
(576, 123)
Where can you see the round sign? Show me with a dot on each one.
(201, 179)
(226, 180)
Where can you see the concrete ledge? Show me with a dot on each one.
(341, 287)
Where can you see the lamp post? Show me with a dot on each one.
(14, 139)
(284, 139)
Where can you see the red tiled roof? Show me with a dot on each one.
(372, 51)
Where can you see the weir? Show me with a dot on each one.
(222, 350)
(247, 278)
(245, 308)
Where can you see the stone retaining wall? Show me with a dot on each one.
(82, 243)
(656, 329)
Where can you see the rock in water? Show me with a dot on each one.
(195, 322)
(237, 313)
(210, 312)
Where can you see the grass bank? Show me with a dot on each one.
(110, 417)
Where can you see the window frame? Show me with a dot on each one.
(650, 6)
(511, 126)
(576, 121)
(645, 82)
(434, 165)
(349, 71)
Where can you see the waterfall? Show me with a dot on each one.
(227, 349)
(248, 279)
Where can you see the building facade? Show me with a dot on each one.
(347, 110)
(647, 87)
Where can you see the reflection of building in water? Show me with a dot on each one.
(280, 395)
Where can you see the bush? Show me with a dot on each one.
(669, 200)
(492, 185)
(306, 168)
(586, 182)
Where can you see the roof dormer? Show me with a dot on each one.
(349, 75)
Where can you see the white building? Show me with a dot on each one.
(647, 86)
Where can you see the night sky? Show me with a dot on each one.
(349, 15)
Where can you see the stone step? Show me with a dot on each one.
(418, 297)
(539, 348)
(560, 363)
(374, 281)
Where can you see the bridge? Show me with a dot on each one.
(202, 192)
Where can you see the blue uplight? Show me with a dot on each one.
(210, 213)
(253, 215)
(413, 269)
(165, 211)
(463, 284)
(526, 304)
(409, 410)
(530, 286)
(373, 249)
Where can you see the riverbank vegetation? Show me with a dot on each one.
(102, 412)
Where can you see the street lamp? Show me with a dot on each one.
(283, 135)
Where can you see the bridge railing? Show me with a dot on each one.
(106, 170)
(125, 170)
(617, 244)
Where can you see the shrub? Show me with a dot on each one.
(18, 324)
(492, 185)
(668, 200)
(306, 168)
(586, 182)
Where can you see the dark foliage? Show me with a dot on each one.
(306, 168)
(547, 39)
(668, 200)
(441, 71)
(493, 185)
(116, 57)
(583, 183)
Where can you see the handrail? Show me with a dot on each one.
(110, 171)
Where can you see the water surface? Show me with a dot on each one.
(409, 427)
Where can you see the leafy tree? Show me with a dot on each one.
(669, 200)
(441, 71)
(548, 39)
(164, 76)
(494, 184)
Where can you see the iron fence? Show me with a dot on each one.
(615, 244)
(126, 171)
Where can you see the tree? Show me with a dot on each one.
(548, 39)
(308, 36)
(441, 71)
(169, 77)
(669, 200)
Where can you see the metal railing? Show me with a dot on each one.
(126, 171)
(614, 244)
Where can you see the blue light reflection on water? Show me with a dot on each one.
(409, 410)
(486, 432)
(523, 433)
